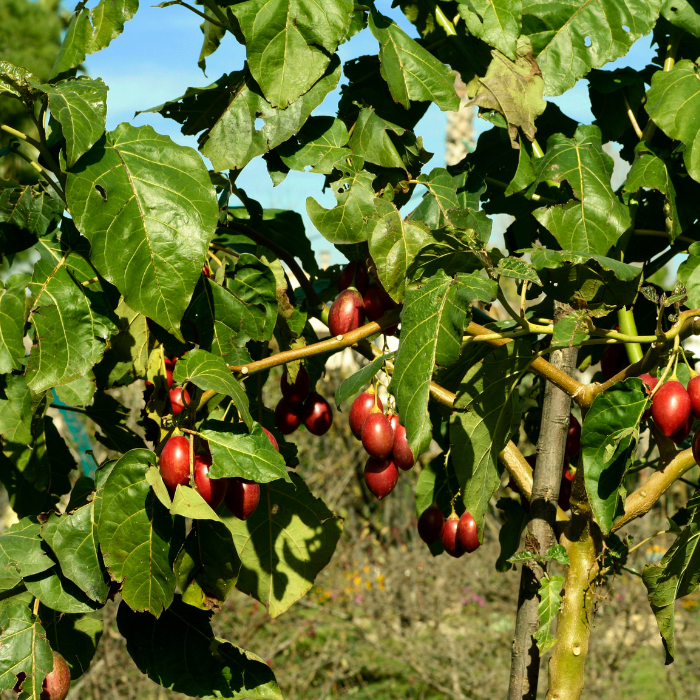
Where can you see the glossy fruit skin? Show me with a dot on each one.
(450, 541)
(377, 435)
(680, 435)
(347, 312)
(696, 446)
(296, 393)
(466, 533)
(650, 384)
(694, 394)
(431, 524)
(354, 274)
(317, 414)
(169, 377)
(287, 417)
(179, 398)
(402, 453)
(359, 411)
(175, 462)
(377, 303)
(271, 438)
(211, 490)
(381, 476)
(57, 681)
(614, 360)
(242, 497)
(671, 407)
(573, 438)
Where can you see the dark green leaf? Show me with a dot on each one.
(57, 592)
(371, 140)
(497, 22)
(548, 609)
(21, 553)
(518, 269)
(321, 146)
(26, 213)
(15, 409)
(135, 533)
(148, 209)
(180, 652)
(571, 330)
(682, 14)
(79, 392)
(284, 544)
(362, 377)
(112, 419)
(440, 198)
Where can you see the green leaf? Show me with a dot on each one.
(594, 221)
(510, 532)
(75, 637)
(73, 540)
(682, 14)
(284, 544)
(352, 385)
(571, 330)
(15, 80)
(227, 111)
(558, 553)
(436, 483)
(26, 213)
(689, 275)
(441, 197)
(574, 36)
(371, 140)
(393, 244)
(72, 322)
(189, 504)
(345, 223)
(112, 418)
(135, 533)
(59, 593)
(15, 409)
(92, 30)
(608, 436)
(208, 565)
(180, 652)
(321, 146)
(79, 392)
(542, 259)
(210, 372)
(672, 102)
(148, 209)
(490, 412)
(80, 105)
(23, 649)
(497, 22)
(518, 269)
(289, 43)
(675, 576)
(411, 71)
(548, 609)
(21, 553)
(213, 34)
(513, 89)
(237, 452)
(432, 323)
(649, 171)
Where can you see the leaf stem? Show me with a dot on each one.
(42, 171)
(625, 318)
(637, 546)
(209, 19)
(632, 118)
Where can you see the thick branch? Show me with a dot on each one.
(525, 656)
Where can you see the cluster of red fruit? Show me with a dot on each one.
(357, 300)
(674, 408)
(240, 495)
(384, 440)
(179, 396)
(458, 535)
(297, 406)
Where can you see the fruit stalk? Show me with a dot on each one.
(525, 655)
(625, 318)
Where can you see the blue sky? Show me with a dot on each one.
(155, 60)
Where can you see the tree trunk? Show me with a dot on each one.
(525, 656)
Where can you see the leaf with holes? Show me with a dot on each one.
(321, 145)
(148, 209)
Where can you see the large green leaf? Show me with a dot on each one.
(207, 566)
(91, 30)
(73, 540)
(23, 649)
(411, 71)
(684, 14)
(572, 36)
(148, 209)
(21, 553)
(210, 372)
(672, 103)
(393, 244)
(513, 89)
(321, 145)
(80, 105)
(112, 418)
(441, 197)
(74, 636)
(376, 140)
(26, 213)
(432, 324)
(497, 22)
(59, 593)
(689, 275)
(180, 652)
(491, 413)
(284, 545)
(594, 221)
(237, 452)
(675, 576)
(15, 409)
(345, 223)
(608, 436)
(136, 535)
(289, 43)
